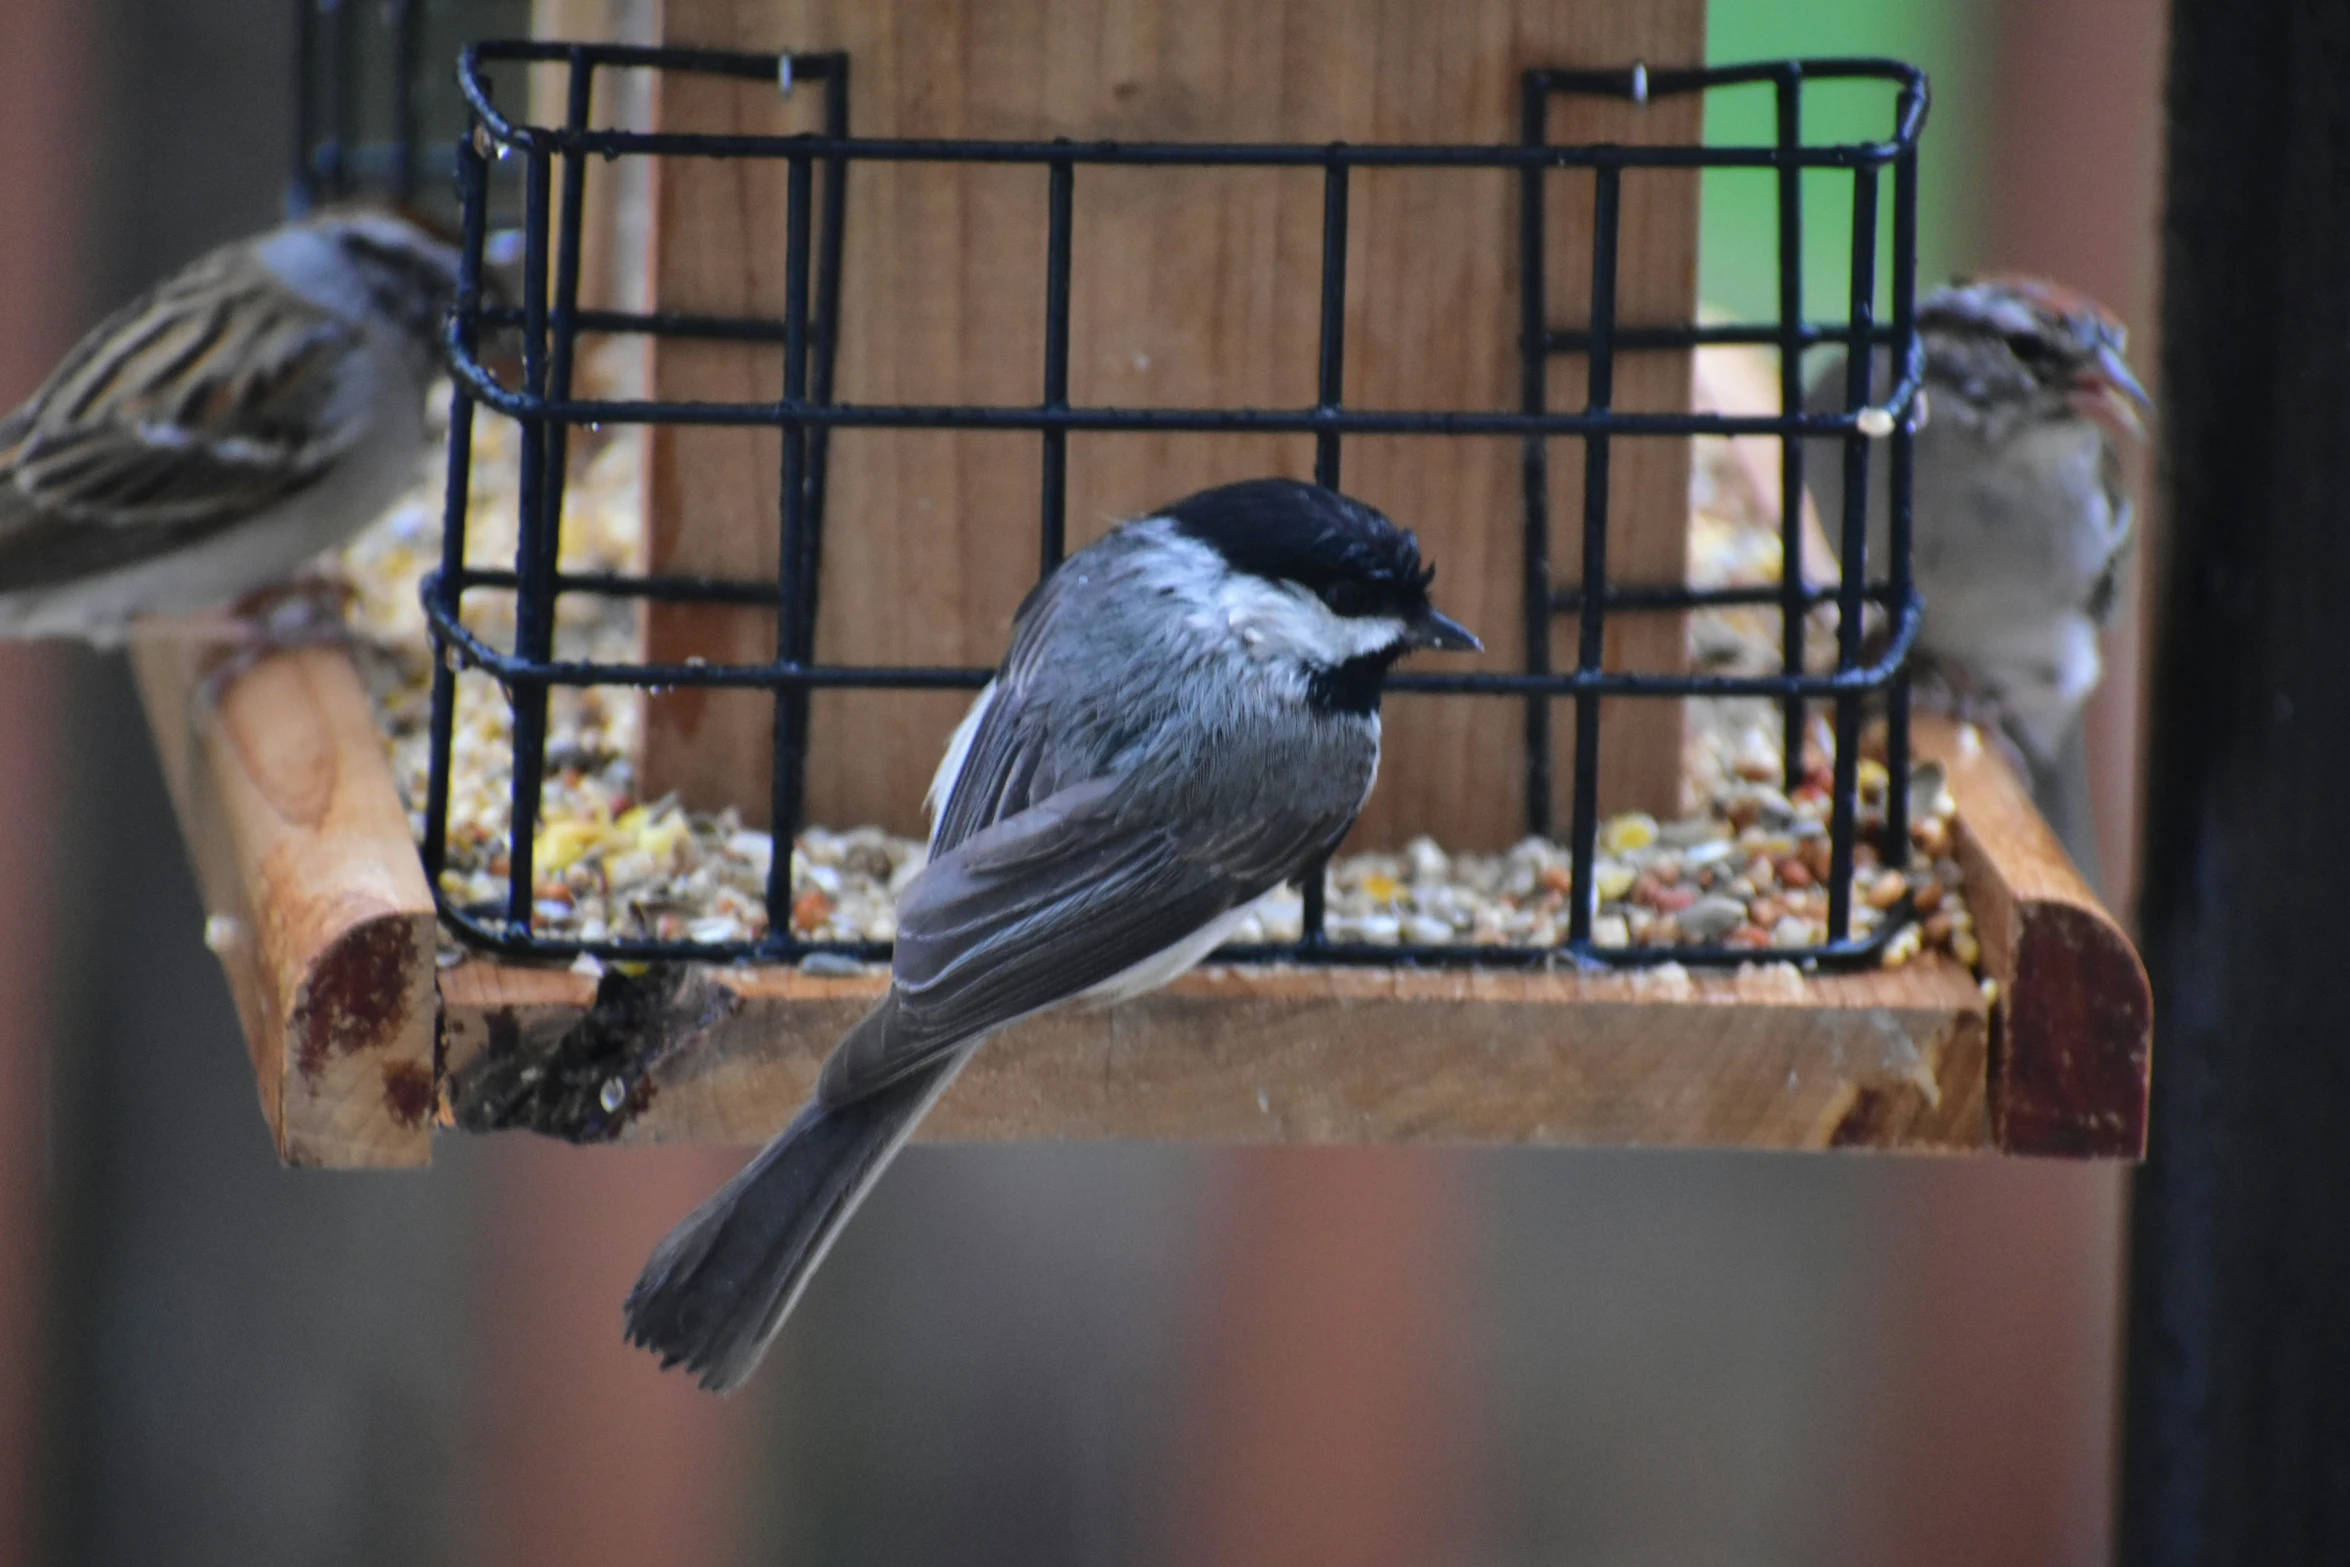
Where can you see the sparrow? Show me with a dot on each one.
(2021, 522)
(256, 408)
(1187, 718)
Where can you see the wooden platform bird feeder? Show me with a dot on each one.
(1186, 288)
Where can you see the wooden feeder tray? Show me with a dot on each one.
(363, 1046)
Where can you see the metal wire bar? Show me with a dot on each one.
(1569, 601)
(1384, 155)
(683, 589)
(1844, 792)
(1573, 340)
(472, 193)
(460, 642)
(1059, 199)
(1591, 639)
(824, 328)
(475, 927)
(1900, 468)
(1789, 106)
(1329, 393)
(795, 589)
(521, 405)
(534, 556)
(1534, 458)
(1902, 138)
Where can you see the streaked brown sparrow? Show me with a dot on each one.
(210, 436)
(2021, 518)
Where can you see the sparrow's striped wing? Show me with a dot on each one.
(1049, 902)
(212, 398)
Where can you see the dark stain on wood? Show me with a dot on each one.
(407, 1093)
(2077, 1044)
(1871, 1120)
(356, 996)
(587, 1084)
(504, 1034)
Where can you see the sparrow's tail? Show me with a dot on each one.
(719, 1285)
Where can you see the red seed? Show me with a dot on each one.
(810, 909)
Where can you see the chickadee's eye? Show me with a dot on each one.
(1347, 598)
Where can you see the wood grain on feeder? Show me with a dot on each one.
(1190, 287)
(1759, 1058)
(288, 806)
(317, 906)
(2075, 1012)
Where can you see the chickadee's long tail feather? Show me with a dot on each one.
(720, 1284)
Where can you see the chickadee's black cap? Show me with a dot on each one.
(1332, 545)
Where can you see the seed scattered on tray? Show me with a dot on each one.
(1746, 867)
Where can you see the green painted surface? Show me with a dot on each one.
(1738, 253)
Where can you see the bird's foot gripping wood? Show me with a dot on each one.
(306, 610)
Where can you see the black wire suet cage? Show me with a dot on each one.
(549, 162)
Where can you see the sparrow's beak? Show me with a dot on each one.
(1442, 634)
(2108, 395)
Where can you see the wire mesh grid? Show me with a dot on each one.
(550, 321)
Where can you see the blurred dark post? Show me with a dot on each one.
(41, 92)
(2237, 1440)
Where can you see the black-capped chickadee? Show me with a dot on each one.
(2021, 520)
(260, 406)
(1188, 717)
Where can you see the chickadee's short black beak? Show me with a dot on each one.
(1441, 634)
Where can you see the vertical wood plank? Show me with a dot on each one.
(1188, 287)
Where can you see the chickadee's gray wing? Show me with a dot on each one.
(213, 397)
(1017, 755)
(1049, 903)
(1009, 756)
